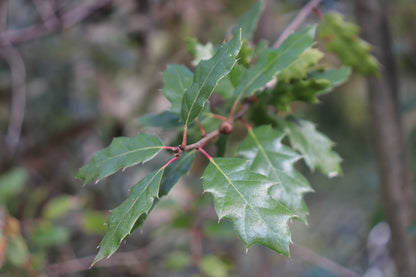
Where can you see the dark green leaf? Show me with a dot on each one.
(165, 120)
(315, 147)
(171, 176)
(272, 61)
(207, 75)
(177, 79)
(268, 156)
(123, 218)
(243, 197)
(175, 171)
(248, 22)
(121, 153)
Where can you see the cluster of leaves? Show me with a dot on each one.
(341, 37)
(260, 190)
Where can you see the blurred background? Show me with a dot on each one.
(75, 74)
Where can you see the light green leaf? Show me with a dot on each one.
(302, 66)
(272, 61)
(11, 184)
(242, 196)
(307, 90)
(177, 79)
(207, 75)
(123, 218)
(314, 146)
(342, 38)
(268, 156)
(121, 153)
(337, 76)
(58, 207)
(248, 22)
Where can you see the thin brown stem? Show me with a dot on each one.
(217, 116)
(300, 17)
(201, 129)
(171, 161)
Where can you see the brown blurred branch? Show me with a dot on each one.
(312, 257)
(46, 11)
(66, 20)
(18, 84)
(390, 144)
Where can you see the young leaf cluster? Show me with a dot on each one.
(259, 190)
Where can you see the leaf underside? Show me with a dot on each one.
(122, 219)
(242, 196)
(121, 153)
(268, 156)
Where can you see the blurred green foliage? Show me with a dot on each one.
(89, 83)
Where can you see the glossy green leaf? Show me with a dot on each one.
(177, 79)
(123, 218)
(315, 147)
(248, 22)
(268, 156)
(165, 120)
(121, 153)
(207, 75)
(175, 171)
(242, 196)
(341, 37)
(272, 61)
(171, 176)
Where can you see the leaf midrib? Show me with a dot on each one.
(275, 170)
(127, 153)
(245, 200)
(133, 203)
(203, 84)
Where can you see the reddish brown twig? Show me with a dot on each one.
(300, 17)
